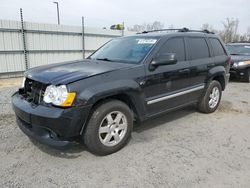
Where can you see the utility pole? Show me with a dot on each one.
(58, 17)
(24, 40)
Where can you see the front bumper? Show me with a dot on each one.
(52, 126)
(238, 73)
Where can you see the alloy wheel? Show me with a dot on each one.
(214, 97)
(113, 128)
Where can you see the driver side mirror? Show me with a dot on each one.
(165, 59)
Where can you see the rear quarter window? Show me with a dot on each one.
(217, 47)
(198, 48)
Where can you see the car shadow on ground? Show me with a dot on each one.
(70, 152)
(163, 119)
(76, 150)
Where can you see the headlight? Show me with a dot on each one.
(59, 96)
(23, 82)
(241, 63)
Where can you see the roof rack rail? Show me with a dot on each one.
(184, 29)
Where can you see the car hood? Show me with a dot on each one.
(237, 58)
(67, 72)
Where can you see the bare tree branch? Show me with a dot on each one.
(156, 25)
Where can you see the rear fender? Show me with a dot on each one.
(215, 72)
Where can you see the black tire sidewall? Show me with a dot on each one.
(91, 134)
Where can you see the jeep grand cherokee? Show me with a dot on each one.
(127, 79)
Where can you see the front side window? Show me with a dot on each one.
(125, 50)
(198, 48)
(176, 46)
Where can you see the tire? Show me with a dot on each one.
(104, 133)
(210, 101)
(247, 76)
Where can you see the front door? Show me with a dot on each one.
(165, 87)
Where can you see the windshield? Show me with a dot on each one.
(239, 49)
(125, 50)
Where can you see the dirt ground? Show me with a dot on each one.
(12, 82)
(180, 149)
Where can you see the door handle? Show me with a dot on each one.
(184, 71)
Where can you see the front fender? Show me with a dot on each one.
(130, 88)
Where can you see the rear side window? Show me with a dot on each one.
(217, 47)
(174, 45)
(198, 48)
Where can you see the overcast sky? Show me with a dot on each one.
(103, 13)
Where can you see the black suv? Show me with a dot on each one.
(128, 79)
(240, 63)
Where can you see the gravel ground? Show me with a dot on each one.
(180, 149)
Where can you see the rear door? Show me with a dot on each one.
(200, 60)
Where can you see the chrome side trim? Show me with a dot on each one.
(175, 95)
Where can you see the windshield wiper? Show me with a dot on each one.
(104, 59)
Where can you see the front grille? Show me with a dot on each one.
(34, 91)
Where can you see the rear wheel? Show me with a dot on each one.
(211, 100)
(109, 128)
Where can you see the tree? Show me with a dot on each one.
(229, 33)
(208, 27)
(248, 34)
(156, 25)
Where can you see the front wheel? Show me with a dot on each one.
(211, 100)
(109, 128)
